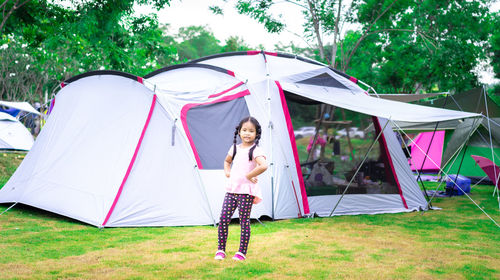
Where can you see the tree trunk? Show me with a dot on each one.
(316, 28)
(335, 35)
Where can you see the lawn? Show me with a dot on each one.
(457, 242)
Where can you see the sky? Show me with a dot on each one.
(196, 12)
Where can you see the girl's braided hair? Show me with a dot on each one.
(257, 136)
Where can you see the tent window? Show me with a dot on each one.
(323, 80)
(212, 129)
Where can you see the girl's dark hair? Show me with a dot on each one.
(257, 136)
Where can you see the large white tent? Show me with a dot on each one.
(120, 150)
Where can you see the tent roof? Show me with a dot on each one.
(23, 106)
(8, 117)
(403, 97)
(315, 81)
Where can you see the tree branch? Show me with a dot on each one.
(295, 3)
(366, 31)
(14, 7)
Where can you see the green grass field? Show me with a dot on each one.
(457, 242)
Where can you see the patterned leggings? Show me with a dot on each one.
(244, 204)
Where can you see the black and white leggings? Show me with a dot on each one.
(244, 204)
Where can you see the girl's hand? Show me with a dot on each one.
(253, 180)
(227, 174)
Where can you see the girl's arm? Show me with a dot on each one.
(227, 165)
(259, 169)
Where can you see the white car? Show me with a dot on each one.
(354, 132)
(304, 131)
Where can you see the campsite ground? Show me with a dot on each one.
(457, 242)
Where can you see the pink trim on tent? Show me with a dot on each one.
(227, 90)
(63, 84)
(52, 103)
(131, 164)
(389, 159)
(231, 73)
(271, 53)
(187, 107)
(291, 135)
(252, 52)
(354, 80)
(140, 80)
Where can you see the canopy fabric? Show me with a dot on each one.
(403, 97)
(23, 106)
(393, 110)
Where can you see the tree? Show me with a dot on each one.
(56, 43)
(8, 7)
(424, 45)
(196, 41)
(495, 56)
(234, 44)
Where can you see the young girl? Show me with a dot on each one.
(243, 163)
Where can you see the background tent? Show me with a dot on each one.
(120, 150)
(427, 156)
(13, 134)
(457, 132)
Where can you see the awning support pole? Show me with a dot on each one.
(359, 167)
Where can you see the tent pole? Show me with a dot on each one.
(428, 149)
(440, 170)
(418, 172)
(465, 149)
(270, 128)
(316, 132)
(468, 196)
(495, 184)
(359, 167)
(287, 166)
(455, 154)
(8, 208)
(447, 171)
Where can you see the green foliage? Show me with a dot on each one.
(258, 10)
(234, 44)
(196, 41)
(495, 45)
(216, 10)
(401, 46)
(56, 43)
